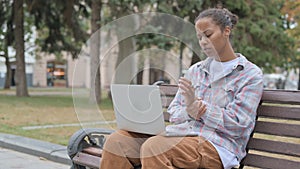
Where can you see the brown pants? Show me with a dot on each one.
(124, 150)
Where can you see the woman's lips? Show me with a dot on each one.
(207, 49)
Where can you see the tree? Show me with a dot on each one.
(126, 46)
(19, 46)
(57, 24)
(61, 25)
(188, 10)
(260, 33)
(6, 34)
(291, 15)
(259, 24)
(95, 89)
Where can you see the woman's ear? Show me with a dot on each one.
(227, 31)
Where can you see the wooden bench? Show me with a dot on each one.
(274, 143)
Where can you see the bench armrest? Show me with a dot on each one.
(157, 83)
(86, 137)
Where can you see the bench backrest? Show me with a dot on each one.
(167, 93)
(275, 141)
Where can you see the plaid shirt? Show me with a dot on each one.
(231, 101)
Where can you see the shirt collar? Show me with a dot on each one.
(204, 65)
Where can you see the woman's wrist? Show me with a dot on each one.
(192, 108)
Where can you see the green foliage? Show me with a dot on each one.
(151, 40)
(6, 31)
(61, 25)
(186, 10)
(260, 33)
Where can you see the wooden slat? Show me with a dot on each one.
(281, 96)
(166, 101)
(166, 116)
(93, 151)
(274, 147)
(168, 90)
(292, 113)
(260, 161)
(87, 160)
(279, 129)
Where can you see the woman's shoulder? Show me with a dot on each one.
(248, 65)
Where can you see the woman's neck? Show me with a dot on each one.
(228, 54)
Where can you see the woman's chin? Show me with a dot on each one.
(211, 55)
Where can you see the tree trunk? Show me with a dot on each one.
(95, 92)
(125, 66)
(7, 64)
(180, 58)
(8, 73)
(299, 79)
(146, 71)
(21, 84)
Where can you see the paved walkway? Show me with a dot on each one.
(17, 152)
(10, 159)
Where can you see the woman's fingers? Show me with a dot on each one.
(187, 90)
(185, 81)
(183, 87)
(186, 85)
(201, 109)
(201, 112)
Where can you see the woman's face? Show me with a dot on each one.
(211, 39)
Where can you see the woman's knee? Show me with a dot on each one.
(113, 140)
(156, 145)
(124, 142)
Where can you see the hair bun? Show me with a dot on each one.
(233, 18)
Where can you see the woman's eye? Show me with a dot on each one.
(204, 36)
(208, 35)
(199, 37)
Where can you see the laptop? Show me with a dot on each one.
(138, 108)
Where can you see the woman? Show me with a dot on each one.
(218, 98)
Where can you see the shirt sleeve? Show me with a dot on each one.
(237, 119)
(177, 110)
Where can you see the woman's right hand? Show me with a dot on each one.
(187, 90)
(194, 106)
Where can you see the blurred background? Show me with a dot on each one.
(43, 42)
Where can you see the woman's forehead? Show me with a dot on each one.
(205, 24)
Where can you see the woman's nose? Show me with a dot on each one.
(203, 42)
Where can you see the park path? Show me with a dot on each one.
(10, 159)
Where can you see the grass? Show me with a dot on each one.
(33, 90)
(19, 112)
